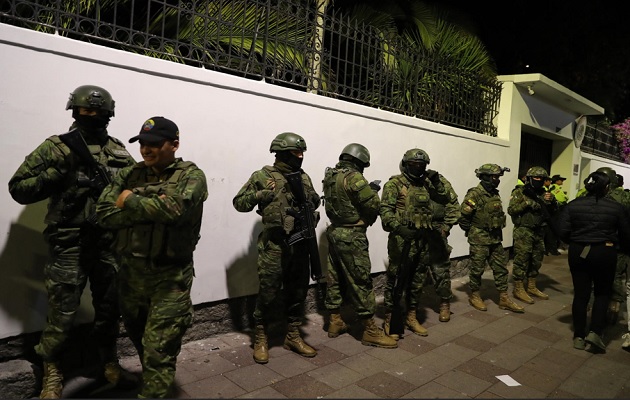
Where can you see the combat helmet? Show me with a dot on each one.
(415, 155)
(612, 175)
(287, 141)
(357, 151)
(490, 169)
(537, 172)
(90, 96)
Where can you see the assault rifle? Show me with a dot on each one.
(305, 221)
(401, 285)
(529, 192)
(102, 177)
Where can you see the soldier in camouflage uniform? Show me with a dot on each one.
(420, 206)
(483, 220)
(280, 266)
(79, 249)
(530, 219)
(156, 207)
(352, 205)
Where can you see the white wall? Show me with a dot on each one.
(226, 125)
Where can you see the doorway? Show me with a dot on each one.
(535, 151)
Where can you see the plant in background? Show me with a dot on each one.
(622, 134)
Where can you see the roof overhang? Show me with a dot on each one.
(552, 92)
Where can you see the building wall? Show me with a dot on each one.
(226, 125)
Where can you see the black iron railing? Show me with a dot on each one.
(600, 140)
(285, 42)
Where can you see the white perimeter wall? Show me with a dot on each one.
(226, 125)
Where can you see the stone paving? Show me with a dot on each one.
(468, 357)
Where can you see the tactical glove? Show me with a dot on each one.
(265, 196)
(375, 185)
(406, 232)
(434, 177)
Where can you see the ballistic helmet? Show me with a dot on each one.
(490, 169)
(537, 172)
(415, 155)
(287, 141)
(357, 151)
(612, 175)
(90, 96)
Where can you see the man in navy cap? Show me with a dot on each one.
(156, 207)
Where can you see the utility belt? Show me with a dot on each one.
(355, 227)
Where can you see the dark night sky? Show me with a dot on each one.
(583, 47)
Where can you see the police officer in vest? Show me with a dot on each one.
(418, 205)
(352, 205)
(156, 207)
(79, 249)
(280, 266)
(483, 220)
(530, 207)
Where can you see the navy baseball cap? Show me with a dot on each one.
(156, 129)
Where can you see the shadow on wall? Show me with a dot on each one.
(242, 283)
(23, 296)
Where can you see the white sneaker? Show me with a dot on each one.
(626, 344)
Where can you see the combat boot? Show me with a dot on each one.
(336, 325)
(520, 293)
(386, 325)
(505, 303)
(261, 348)
(612, 315)
(293, 341)
(52, 382)
(374, 336)
(533, 290)
(445, 310)
(412, 323)
(118, 376)
(475, 300)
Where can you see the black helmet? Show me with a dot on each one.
(287, 141)
(90, 96)
(612, 175)
(357, 151)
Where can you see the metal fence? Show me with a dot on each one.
(285, 42)
(599, 139)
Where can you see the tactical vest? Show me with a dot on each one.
(414, 207)
(156, 241)
(530, 218)
(339, 207)
(76, 204)
(275, 213)
(489, 212)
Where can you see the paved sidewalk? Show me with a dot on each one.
(463, 358)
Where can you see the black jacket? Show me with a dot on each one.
(589, 220)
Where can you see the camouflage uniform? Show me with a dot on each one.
(530, 222)
(157, 232)
(483, 220)
(79, 250)
(352, 205)
(429, 206)
(280, 267)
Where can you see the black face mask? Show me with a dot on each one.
(288, 158)
(416, 170)
(92, 123)
(536, 184)
(490, 182)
